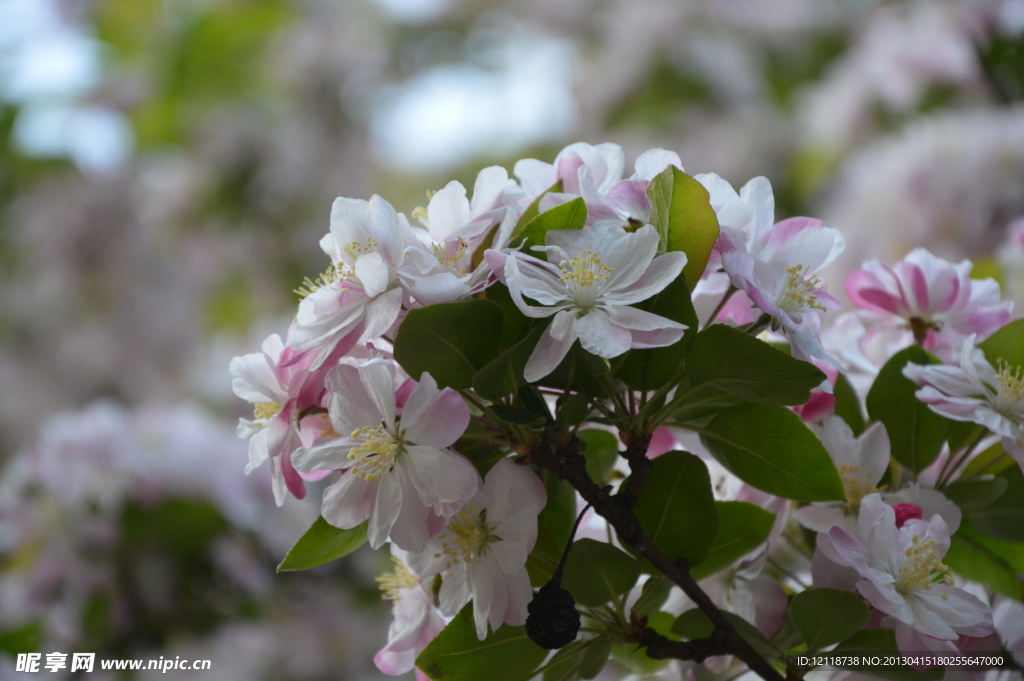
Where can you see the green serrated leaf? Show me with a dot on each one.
(596, 572)
(879, 640)
(770, 448)
(543, 560)
(451, 341)
(504, 374)
(827, 616)
(457, 655)
(677, 508)
(973, 495)
(559, 513)
(565, 664)
(515, 325)
(322, 543)
(742, 527)
(595, 658)
(916, 433)
(681, 212)
(749, 368)
(532, 211)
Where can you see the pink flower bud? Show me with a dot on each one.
(905, 512)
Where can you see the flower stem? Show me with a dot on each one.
(721, 304)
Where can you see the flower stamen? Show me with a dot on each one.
(799, 292)
(857, 486)
(391, 583)
(332, 275)
(375, 457)
(265, 411)
(465, 538)
(921, 567)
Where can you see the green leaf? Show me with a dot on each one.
(974, 495)
(770, 448)
(749, 368)
(507, 414)
(681, 212)
(504, 374)
(559, 514)
(694, 624)
(848, 405)
(827, 616)
(543, 560)
(653, 595)
(986, 560)
(569, 215)
(742, 527)
(677, 507)
(532, 211)
(24, 639)
(916, 433)
(514, 324)
(1006, 344)
(991, 462)
(452, 341)
(596, 572)
(565, 663)
(322, 543)
(595, 658)
(601, 453)
(456, 655)
(876, 641)
(652, 368)
(1004, 517)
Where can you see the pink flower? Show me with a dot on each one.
(417, 620)
(903, 576)
(774, 264)
(481, 554)
(280, 384)
(399, 473)
(931, 298)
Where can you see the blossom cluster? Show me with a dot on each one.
(369, 391)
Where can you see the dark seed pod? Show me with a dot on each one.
(553, 621)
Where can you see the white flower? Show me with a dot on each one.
(451, 216)
(591, 278)
(417, 620)
(861, 463)
(441, 272)
(399, 474)
(482, 552)
(903, 576)
(976, 391)
(358, 298)
(775, 263)
(278, 390)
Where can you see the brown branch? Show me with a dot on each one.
(563, 458)
(699, 649)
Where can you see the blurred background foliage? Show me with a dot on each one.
(167, 169)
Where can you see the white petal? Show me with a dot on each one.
(552, 349)
(447, 211)
(601, 336)
(385, 510)
(349, 501)
(331, 455)
(443, 480)
(438, 423)
(653, 161)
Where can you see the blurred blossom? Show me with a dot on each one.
(452, 113)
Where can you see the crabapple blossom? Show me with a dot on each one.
(446, 271)
(976, 391)
(481, 553)
(601, 270)
(903, 576)
(774, 264)
(451, 216)
(358, 298)
(417, 620)
(398, 471)
(933, 300)
(584, 170)
(279, 390)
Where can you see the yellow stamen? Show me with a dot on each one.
(465, 538)
(856, 486)
(391, 583)
(358, 248)
(799, 295)
(375, 457)
(921, 567)
(1011, 379)
(450, 259)
(332, 275)
(265, 411)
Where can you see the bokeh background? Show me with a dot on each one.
(166, 171)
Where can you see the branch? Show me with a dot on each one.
(698, 650)
(563, 458)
